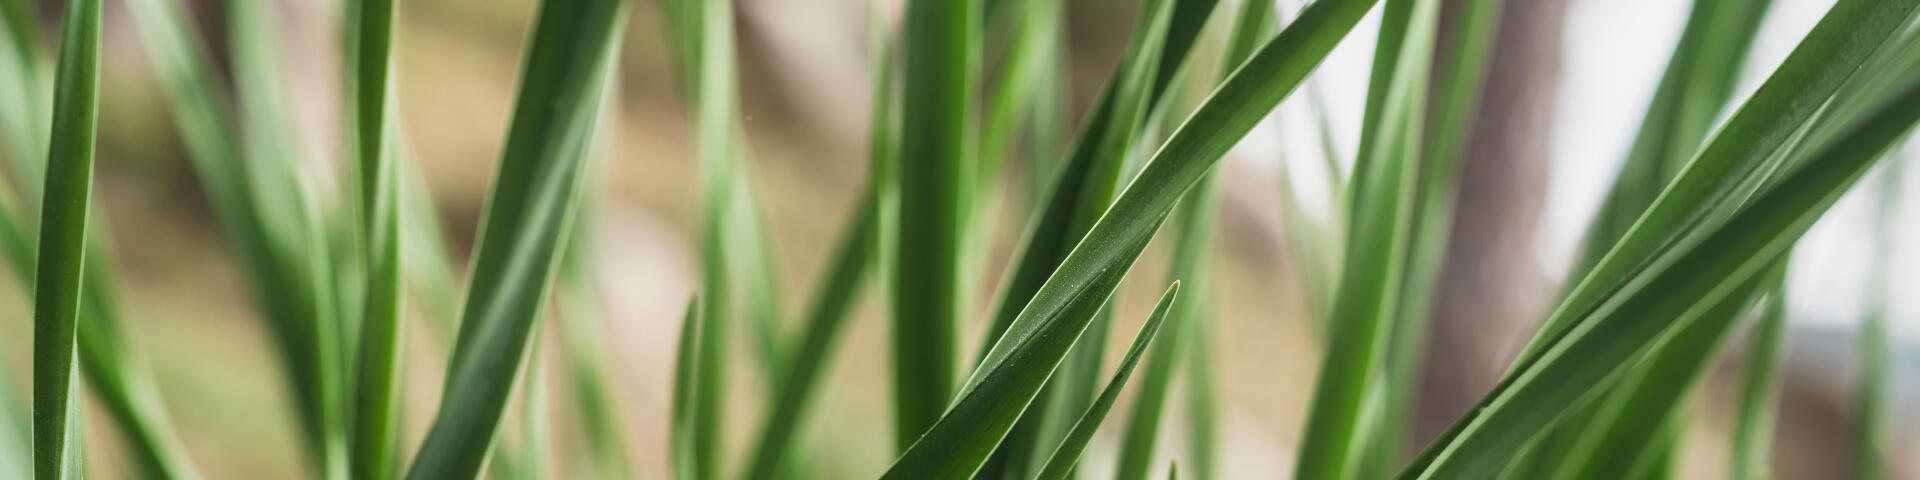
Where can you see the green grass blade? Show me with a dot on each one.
(1698, 82)
(116, 370)
(940, 57)
(1734, 163)
(1729, 256)
(1694, 89)
(1760, 395)
(1461, 58)
(1193, 236)
(1062, 307)
(1387, 180)
(376, 413)
(1093, 173)
(1629, 421)
(686, 367)
(708, 61)
(854, 260)
(63, 243)
(850, 266)
(535, 193)
(286, 286)
(1730, 167)
(1060, 464)
(290, 226)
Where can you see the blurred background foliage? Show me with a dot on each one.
(1534, 173)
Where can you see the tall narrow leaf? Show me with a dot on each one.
(1060, 464)
(63, 240)
(375, 434)
(1035, 342)
(940, 57)
(1381, 228)
(534, 195)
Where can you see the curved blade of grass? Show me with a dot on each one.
(1597, 349)
(1193, 236)
(1094, 170)
(1698, 82)
(116, 370)
(1753, 432)
(1632, 417)
(856, 257)
(1060, 464)
(1061, 307)
(940, 58)
(528, 214)
(63, 243)
(1387, 180)
(1694, 89)
(375, 430)
(1460, 58)
(1729, 168)
(1734, 163)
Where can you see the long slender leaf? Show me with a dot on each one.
(376, 428)
(1731, 255)
(63, 241)
(1060, 464)
(285, 212)
(1381, 230)
(940, 59)
(1005, 383)
(686, 368)
(115, 368)
(528, 216)
(1191, 263)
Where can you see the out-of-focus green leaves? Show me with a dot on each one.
(261, 204)
(63, 245)
(533, 200)
(1876, 390)
(1698, 83)
(1759, 395)
(1387, 179)
(1061, 463)
(1699, 244)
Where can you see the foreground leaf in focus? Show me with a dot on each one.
(1005, 383)
(533, 200)
(1064, 456)
(63, 245)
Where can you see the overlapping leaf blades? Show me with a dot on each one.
(529, 212)
(1700, 244)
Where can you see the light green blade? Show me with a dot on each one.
(1060, 464)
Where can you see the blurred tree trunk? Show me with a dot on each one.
(1492, 289)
